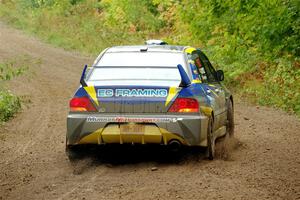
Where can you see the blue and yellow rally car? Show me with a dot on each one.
(150, 94)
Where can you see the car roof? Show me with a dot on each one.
(148, 48)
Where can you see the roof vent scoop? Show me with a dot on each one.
(155, 42)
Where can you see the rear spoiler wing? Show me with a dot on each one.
(185, 80)
(82, 78)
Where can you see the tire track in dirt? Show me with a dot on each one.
(264, 161)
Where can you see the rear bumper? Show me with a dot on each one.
(83, 128)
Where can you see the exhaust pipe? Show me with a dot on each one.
(174, 145)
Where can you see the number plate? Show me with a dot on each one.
(132, 129)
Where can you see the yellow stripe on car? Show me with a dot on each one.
(93, 138)
(92, 93)
(172, 93)
(190, 50)
(112, 134)
(206, 110)
(196, 81)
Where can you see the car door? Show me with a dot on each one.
(213, 89)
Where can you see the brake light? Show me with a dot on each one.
(185, 105)
(81, 104)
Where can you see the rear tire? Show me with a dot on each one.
(230, 119)
(210, 140)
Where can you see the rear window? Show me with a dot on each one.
(154, 59)
(134, 73)
(138, 66)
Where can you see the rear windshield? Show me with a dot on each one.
(138, 66)
(134, 73)
(154, 59)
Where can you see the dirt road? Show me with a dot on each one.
(264, 161)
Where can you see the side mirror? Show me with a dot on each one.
(82, 81)
(220, 75)
(185, 80)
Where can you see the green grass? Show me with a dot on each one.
(256, 43)
(9, 105)
(13, 68)
(10, 69)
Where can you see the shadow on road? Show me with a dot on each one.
(132, 154)
(121, 155)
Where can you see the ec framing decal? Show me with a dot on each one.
(132, 93)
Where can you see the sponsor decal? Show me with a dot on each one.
(132, 93)
(132, 119)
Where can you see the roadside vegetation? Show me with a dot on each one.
(10, 69)
(256, 43)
